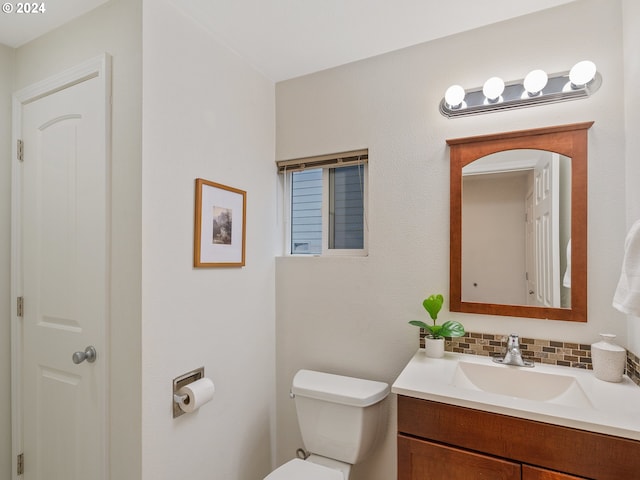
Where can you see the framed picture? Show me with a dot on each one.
(219, 239)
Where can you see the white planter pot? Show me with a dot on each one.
(434, 347)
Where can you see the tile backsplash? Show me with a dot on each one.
(633, 367)
(567, 354)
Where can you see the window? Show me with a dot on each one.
(327, 204)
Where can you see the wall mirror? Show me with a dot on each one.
(519, 223)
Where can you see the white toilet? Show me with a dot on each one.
(340, 420)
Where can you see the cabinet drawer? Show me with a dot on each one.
(423, 460)
(535, 473)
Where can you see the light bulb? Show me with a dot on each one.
(454, 96)
(493, 88)
(535, 81)
(582, 73)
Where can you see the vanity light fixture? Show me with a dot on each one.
(582, 73)
(454, 97)
(536, 88)
(534, 82)
(492, 90)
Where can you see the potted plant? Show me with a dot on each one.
(434, 341)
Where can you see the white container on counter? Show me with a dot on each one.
(608, 359)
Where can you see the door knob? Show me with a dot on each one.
(89, 355)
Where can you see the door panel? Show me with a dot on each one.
(546, 217)
(530, 255)
(65, 282)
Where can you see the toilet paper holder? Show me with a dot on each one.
(180, 382)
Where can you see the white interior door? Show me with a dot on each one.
(531, 282)
(547, 240)
(65, 282)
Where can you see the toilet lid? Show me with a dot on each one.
(298, 469)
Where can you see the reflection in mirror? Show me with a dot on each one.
(519, 223)
(516, 227)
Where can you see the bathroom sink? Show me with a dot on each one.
(571, 397)
(520, 383)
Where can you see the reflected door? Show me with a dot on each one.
(530, 249)
(546, 231)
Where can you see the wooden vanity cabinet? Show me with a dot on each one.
(437, 441)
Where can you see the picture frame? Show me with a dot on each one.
(220, 225)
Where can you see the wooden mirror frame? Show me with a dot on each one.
(568, 140)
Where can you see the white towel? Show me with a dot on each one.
(566, 281)
(627, 296)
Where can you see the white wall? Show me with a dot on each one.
(6, 68)
(631, 38)
(206, 114)
(114, 28)
(493, 238)
(349, 315)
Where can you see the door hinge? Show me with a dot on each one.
(20, 306)
(20, 150)
(20, 464)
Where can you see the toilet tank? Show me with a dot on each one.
(339, 417)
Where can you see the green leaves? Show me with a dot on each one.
(450, 328)
(418, 323)
(433, 304)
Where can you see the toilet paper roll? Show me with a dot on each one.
(197, 394)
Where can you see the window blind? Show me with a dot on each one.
(334, 160)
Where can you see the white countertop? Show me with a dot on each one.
(614, 407)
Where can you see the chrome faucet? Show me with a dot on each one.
(513, 356)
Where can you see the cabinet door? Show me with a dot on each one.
(422, 460)
(536, 473)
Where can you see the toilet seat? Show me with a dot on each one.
(298, 469)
